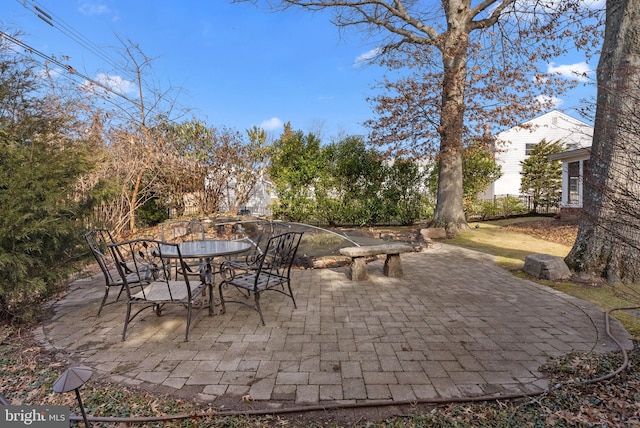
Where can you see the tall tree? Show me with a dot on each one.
(541, 176)
(443, 36)
(608, 241)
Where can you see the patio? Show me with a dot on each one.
(454, 326)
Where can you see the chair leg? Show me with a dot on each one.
(126, 321)
(211, 301)
(257, 297)
(186, 335)
(120, 292)
(222, 307)
(291, 294)
(104, 300)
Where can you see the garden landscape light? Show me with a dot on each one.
(71, 380)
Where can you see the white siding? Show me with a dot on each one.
(511, 145)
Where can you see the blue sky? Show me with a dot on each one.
(238, 66)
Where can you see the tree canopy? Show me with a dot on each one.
(295, 166)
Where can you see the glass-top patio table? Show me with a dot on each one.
(207, 250)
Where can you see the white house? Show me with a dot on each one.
(260, 198)
(515, 144)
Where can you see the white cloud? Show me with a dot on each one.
(114, 83)
(50, 73)
(90, 9)
(271, 124)
(580, 70)
(595, 4)
(367, 56)
(554, 5)
(552, 102)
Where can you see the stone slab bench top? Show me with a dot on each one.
(374, 250)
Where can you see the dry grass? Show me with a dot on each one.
(549, 230)
(512, 240)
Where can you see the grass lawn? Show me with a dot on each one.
(509, 246)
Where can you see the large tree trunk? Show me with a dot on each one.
(608, 242)
(449, 212)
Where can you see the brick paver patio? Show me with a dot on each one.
(454, 326)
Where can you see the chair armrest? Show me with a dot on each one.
(227, 271)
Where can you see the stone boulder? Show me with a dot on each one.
(545, 266)
(433, 233)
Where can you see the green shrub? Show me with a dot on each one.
(152, 213)
(510, 205)
(42, 213)
(489, 210)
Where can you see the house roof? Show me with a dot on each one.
(556, 113)
(581, 153)
(552, 126)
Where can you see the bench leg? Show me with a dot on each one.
(358, 270)
(392, 266)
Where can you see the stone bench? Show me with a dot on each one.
(392, 265)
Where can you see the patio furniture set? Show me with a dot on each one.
(155, 273)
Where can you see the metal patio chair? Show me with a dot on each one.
(272, 273)
(98, 240)
(163, 288)
(258, 240)
(186, 231)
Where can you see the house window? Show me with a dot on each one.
(574, 183)
(529, 148)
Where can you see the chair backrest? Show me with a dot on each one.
(279, 254)
(99, 240)
(149, 265)
(257, 234)
(182, 230)
(197, 230)
(265, 231)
